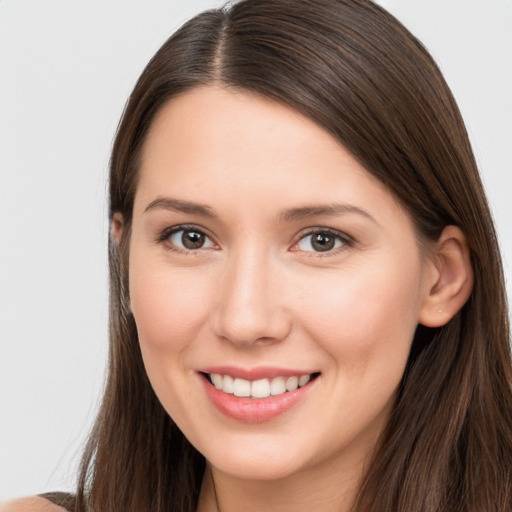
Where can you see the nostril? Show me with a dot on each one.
(246, 330)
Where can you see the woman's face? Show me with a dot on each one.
(264, 254)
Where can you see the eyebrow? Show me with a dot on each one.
(291, 215)
(295, 214)
(177, 205)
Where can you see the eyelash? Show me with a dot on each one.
(346, 241)
(167, 233)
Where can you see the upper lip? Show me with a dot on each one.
(256, 373)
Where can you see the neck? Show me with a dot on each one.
(324, 488)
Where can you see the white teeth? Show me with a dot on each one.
(217, 380)
(261, 388)
(304, 379)
(242, 387)
(292, 383)
(277, 386)
(228, 384)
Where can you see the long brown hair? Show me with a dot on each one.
(356, 71)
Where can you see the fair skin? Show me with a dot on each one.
(30, 504)
(260, 249)
(253, 183)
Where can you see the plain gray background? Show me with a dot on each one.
(66, 69)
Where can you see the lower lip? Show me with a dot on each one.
(254, 410)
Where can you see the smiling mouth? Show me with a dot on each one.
(258, 389)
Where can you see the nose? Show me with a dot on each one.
(250, 306)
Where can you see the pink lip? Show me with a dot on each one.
(249, 410)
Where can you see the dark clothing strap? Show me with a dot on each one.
(62, 499)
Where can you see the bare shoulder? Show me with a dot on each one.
(30, 504)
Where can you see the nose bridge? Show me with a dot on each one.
(249, 308)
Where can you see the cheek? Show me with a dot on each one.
(168, 307)
(169, 311)
(364, 313)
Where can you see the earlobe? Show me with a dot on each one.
(116, 227)
(452, 279)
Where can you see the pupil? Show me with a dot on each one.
(323, 242)
(192, 239)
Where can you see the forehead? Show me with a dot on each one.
(212, 144)
(236, 125)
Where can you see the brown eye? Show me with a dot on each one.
(321, 241)
(190, 239)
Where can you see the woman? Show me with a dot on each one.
(307, 301)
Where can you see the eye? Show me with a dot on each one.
(321, 241)
(189, 239)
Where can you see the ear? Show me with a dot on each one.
(451, 280)
(117, 227)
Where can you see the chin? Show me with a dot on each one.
(271, 461)
(256, 470)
